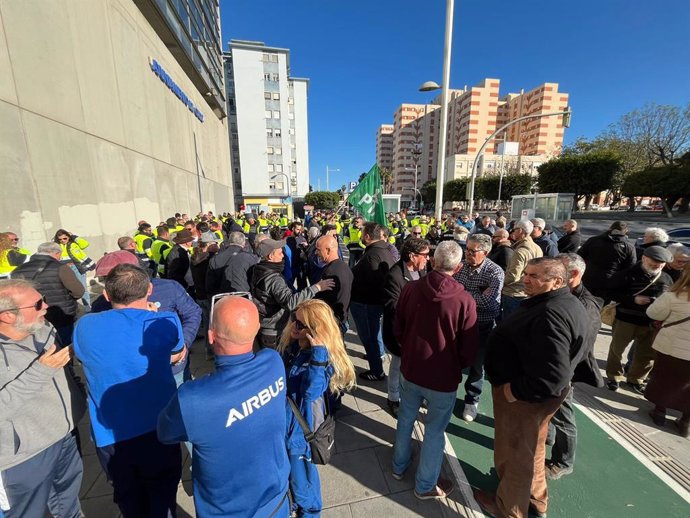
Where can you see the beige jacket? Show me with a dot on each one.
(673, 340)
(525, 249)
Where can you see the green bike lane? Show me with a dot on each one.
(608, 481)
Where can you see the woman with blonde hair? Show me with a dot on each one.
(316, 362)
(670, 379)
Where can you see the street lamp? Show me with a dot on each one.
(566, 114)
(443, 129)
(415, 181)
(287, 182)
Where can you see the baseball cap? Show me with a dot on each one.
(268, 245)
(111, 260)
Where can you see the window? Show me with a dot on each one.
(275, 77)
(276, 96)
(272, 186)
(269, 150)
(277, 132)
(278, 150)
(269, 132)
(267, 76)
(291, 115)
(268, 114)
(279, 168)
(266, 58)
(291, 100)
(291, 131)
(270, 168)
(276, 114)
(274, 58)
(267, 96)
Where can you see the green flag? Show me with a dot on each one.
(367, 197)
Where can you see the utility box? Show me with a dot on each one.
(391, 203)
(552, 207)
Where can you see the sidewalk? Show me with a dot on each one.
(357, 482)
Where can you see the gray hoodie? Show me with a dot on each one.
(39, 405)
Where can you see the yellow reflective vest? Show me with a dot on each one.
(143, 242)
(5, 267)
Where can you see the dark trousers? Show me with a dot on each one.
(145, 474)
(563, 434)
(368, 320)
(475, 376)
(47, 481)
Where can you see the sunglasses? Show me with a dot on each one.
(38, 306)
(298, 324)
(423, 254)
(473, 251)
(218, 296)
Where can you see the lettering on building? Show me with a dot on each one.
(174, 88)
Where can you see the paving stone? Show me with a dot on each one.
(342, 511)
(358, 431)
(399, 505)
(100, 507)
(384, 454)
(351, 477)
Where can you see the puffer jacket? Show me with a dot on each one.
(605, 255)
(524, 250)
(624, 286)
(274, 298)
(39, 405)
(673, 340)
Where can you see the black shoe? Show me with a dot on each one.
(637, 388)
(370, 376)
(394, 407)
(612, 385)
(658, 417)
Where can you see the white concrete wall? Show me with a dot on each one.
(302, 136)
(251, 120)
(90, 139)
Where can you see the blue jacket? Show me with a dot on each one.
(172, 297)
(235, 420)
(308, 375)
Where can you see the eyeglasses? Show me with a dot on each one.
(218, 296)
(423, 254)
(474, 251)
(38, 306)
(298, 324)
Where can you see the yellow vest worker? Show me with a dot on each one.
(159, 253)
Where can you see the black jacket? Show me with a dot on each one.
(370, 273)
(228, 270)
(274, 298)
(396, 279)
(623, 286)
(177, 265)
(339, 297)
(57, 283)
(501, 255)
(230, 225)
(587, 371)
(538, 346)
(570, 242)
(605, 255)
(199, 268)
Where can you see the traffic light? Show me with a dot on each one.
(566, 116)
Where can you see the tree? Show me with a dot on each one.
(486, 188)
(361, 176)
(386, 180)
(583, 175)
(428, 191)
(668, 182)
(322, 199)
(455, 190)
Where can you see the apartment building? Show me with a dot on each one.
(474, 113)
(384, 146)
(267, 108)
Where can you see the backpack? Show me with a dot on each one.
(322, 439)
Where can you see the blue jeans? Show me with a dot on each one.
(368, 318)
(50, 480)
(475, 377)
(563, 433)
(439, 409)
(86, 298)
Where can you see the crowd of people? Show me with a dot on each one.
(272, 301)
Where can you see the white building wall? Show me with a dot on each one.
(301, 137)
(91, 140)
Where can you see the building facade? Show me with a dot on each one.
(268, 127)
(474, 113)
(111, 112)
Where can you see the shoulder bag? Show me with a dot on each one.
(608, 312)
(322, 439)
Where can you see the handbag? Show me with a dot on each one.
(608, 312)
(322, 439)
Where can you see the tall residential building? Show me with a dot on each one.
(384, 146)
(115, 114)
(268, 126)
(473, 115)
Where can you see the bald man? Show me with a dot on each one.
(339, 297)
(572, 239)
(235, 419)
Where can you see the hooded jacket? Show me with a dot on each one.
(436, 327)
(39, 405)
(605, 255)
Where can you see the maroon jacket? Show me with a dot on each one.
(436, 326)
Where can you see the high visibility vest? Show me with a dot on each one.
(5, 267)
(159, 253)
(425, 228)
(143, 242)
(415, 221)
(251, 229)
(218, 234)
(263, 224)
(283, 222)
(404, 222)
(77, 248)
(338, 227)
(354, 239)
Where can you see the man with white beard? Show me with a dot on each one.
(635, 289)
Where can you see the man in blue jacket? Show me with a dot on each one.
(236, 421)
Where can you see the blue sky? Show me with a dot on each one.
(366, 57)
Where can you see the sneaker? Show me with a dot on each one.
(612, 385)
(554, 471)
(397, 476)
(394, 407)
(469, 413)
(442, 489)
(637, 388)
(370, 376)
